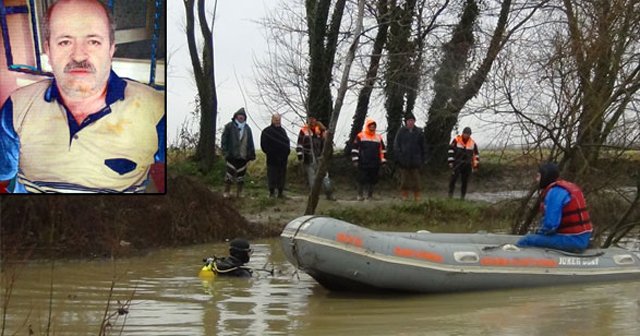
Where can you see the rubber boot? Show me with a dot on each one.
(360, 192)
(239, 190)
(369, 192)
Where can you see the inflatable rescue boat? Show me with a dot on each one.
(346, 257)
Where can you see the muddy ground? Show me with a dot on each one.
(105, 226)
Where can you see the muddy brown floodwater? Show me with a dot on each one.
(167, 298)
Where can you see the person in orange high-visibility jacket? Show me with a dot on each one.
(463, 159)
(311, 142)
(368, 154)
(566, 224)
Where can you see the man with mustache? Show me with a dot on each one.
(86, 130)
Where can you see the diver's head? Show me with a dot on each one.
(240, 249)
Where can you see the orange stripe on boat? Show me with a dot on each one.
(518, 262)
(417, 254)
(349, 239)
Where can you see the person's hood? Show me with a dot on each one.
(368, 122)
(240, 249)
(239, 112)
(549, 173)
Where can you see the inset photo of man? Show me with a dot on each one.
(76, 124)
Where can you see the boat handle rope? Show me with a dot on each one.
(294, 250)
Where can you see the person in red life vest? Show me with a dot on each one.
(368, 154)
(311, 141)
(565, 224)
(463, 159)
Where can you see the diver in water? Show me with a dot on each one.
(233, 265)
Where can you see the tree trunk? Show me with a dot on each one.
(450, 98)
(312, 202)
(203, 70)
(401, 51)
(323, 42)
(443, 116)
(365, 93)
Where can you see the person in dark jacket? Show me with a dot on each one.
(238, 150)
(408, 149)
(368, 155)
(275, 144)
(565, 224)
(463, 159)
(233, 265)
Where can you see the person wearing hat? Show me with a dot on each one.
(238, 150)
(233, 265)
(408, 149)
(565, 223)
(463, 159)
(368, 154)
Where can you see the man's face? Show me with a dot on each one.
(275, 120)
(312, 121)
(465, 136)
(372, 127)
(241, 118)
(79, 49)
(411, 123)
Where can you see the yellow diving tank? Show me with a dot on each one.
(207, 270)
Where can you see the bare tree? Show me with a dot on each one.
(574, 95)
(383, 19)
(204, 74)
(450, 95)
(283, 71)
(312, 201)
(323, 41)
(402, 50)
(603, 43)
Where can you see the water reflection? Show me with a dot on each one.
(168, 299)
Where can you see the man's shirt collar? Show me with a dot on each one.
(115, 90)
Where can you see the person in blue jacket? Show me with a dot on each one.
(565, 224)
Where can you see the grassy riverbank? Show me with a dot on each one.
(193, 210)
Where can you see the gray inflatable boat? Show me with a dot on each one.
(347, 257)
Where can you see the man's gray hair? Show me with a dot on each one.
(46, 31)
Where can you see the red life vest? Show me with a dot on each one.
(575, 217)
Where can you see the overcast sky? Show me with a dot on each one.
(237, 38)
